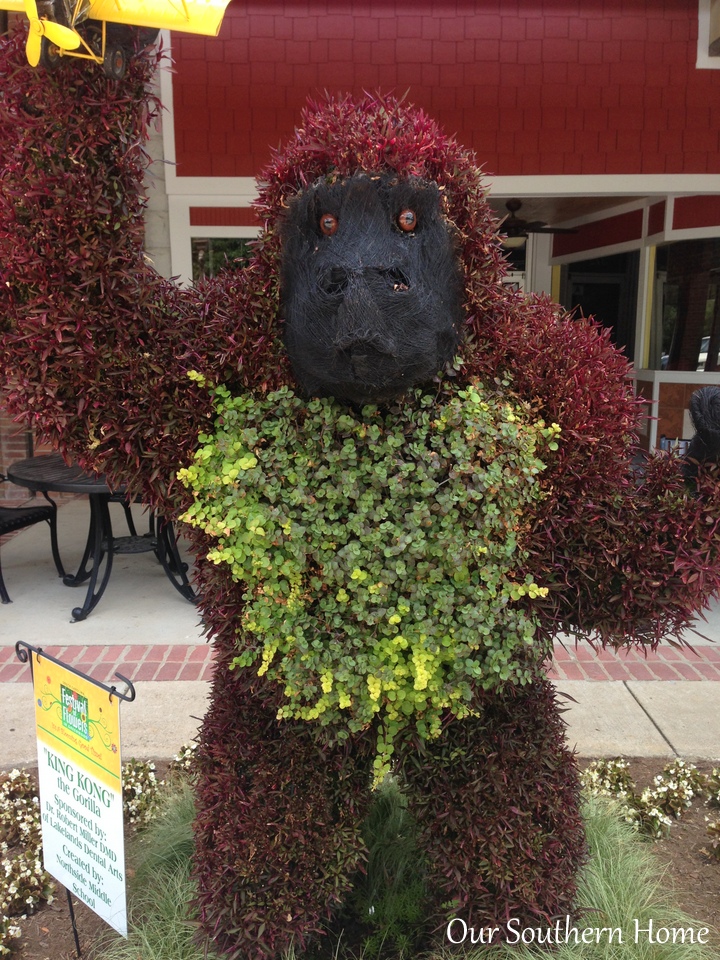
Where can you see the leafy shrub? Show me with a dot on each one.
(676, 786)
(24, 884)
(713, 830)
(141, 792)
(688, 774)
(95, 350)
(627, 555)
(713, 788)
(109, 385)
(19, 809)
(626, 559)
(652, 811)
(621, 883)
(607, 778)
(183, 764)
(612, 779)
(713, 800)
(378, 552)
(106, 379)
(648, 815)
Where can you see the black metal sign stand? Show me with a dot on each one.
(78, 952)
(23, 651)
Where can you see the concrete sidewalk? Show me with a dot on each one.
(663, 705)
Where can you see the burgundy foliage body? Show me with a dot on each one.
(95, 352)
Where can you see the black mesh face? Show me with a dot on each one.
(371, 288)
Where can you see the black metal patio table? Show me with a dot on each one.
(49, 473)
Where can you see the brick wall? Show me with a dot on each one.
(16, 443)
(550, 87)
(13, 446)
(673, 405)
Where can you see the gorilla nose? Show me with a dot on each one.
(396, 279)
(336, 280)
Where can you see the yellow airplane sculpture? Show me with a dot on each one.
(102, 30)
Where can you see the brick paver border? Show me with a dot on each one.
(666, 663)
(141, 662)
(137, 662)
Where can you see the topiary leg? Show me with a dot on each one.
(277, 829)
(496, 799)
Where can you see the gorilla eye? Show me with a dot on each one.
(328, 224)
(407, 220)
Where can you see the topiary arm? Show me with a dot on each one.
(633, 564)
(95, 346)
(628, 555)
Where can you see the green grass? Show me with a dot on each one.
(622, 884)
(389, 897)
(161, 924)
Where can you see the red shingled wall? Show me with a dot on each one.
(562, 87)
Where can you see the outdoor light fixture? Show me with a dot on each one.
(513, 242)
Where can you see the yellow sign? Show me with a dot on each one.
(75, 715)
(80, 779)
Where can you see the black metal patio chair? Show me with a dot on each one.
(17, 518)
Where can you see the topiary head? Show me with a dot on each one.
(346, 154)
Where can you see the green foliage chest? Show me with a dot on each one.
(379, 551)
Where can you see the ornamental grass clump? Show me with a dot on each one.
(620, 884)
(389, 895)
(381, 552)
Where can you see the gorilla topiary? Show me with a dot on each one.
(405, 480)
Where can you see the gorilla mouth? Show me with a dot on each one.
(365, 372)
(369, 364)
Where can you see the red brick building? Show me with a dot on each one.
(598, 115)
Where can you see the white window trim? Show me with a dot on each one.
(704, 60)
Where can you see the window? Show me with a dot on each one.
(686, 308)
(606, 288)
(210, 255)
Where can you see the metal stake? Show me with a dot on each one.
(74, 925)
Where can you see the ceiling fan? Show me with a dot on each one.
(516, 229)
